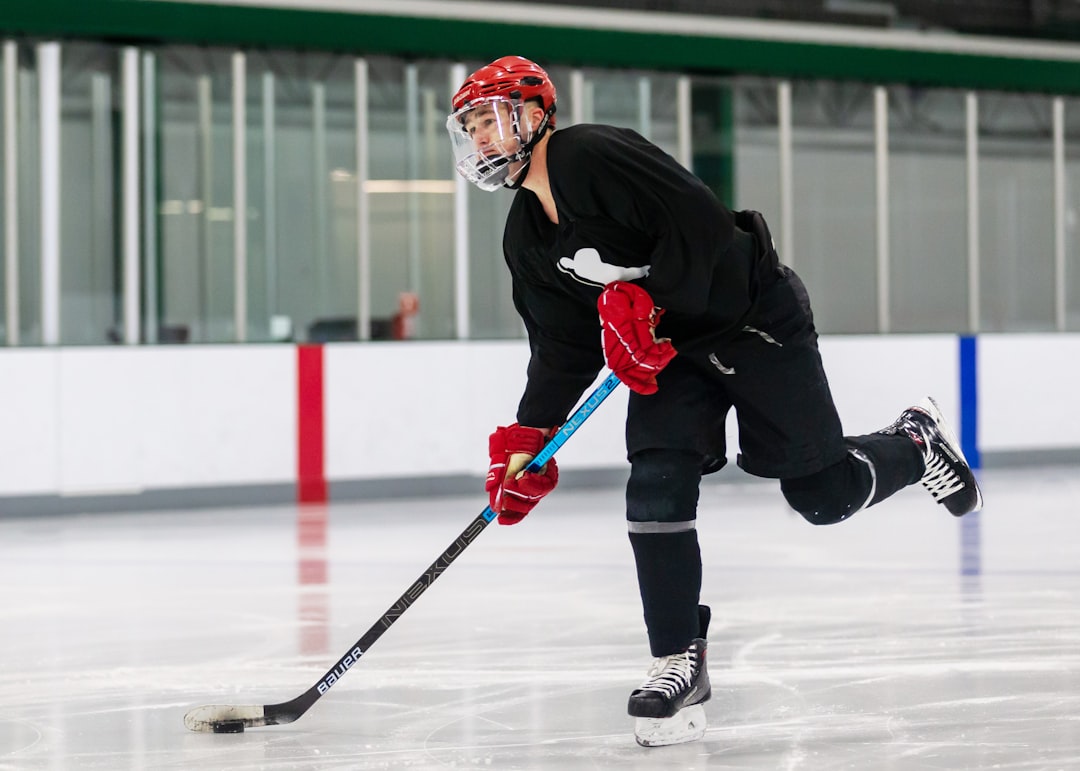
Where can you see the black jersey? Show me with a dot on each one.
(627, 211)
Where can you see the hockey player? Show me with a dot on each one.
(620, 255)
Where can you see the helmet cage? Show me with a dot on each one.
(487, 139)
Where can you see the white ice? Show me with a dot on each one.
(902, 639)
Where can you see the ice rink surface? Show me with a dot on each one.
(901, 639)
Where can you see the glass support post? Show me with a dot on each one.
(683, 122)
(363, 208)
(787, 176)
(132, 283)
(150, 196)
(645, 106)
(1059, 214)
(461, 234)
(972, 143)
(881, 162)
(11, 192)
(239, 137)
(270, 192)
(48, 57)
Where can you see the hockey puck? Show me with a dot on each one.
(229, 727)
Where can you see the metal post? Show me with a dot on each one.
(684, 118)
(48, 56)
(130, 196)
(239, 132)
(412, 161)
(270, 192)
(321, 174)
(11, 192)
(577, 97)
(972, 112)
(363, 210)
(461, 234)
(881, 160)
(645, 106)
(1059, 213)
(150, 194)
(204, 97)
(787, 176)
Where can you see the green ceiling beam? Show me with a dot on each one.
(150, 21)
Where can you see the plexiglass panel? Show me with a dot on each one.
(1072, 214)
(411, 196)
(90, 175)
(834, 209)
(302, 250)
(28, 196)
(301, 160)
(196, 182)
(756, 150)
(1016, 238)
(491, 308)
(643, 101)
(928, 289)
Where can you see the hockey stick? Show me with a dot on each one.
(221, 718)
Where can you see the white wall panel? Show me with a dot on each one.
(874, 377)
(168, 417)
(29, 427)
(105, 420)
(427, 408)
(1028, 387)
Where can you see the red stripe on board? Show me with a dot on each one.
(310, 466)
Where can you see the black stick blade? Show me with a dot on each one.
(221, 718)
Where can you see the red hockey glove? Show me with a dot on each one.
(628, 318)
(512, 490)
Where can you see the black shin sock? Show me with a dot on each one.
(897, 462)
(669, 577)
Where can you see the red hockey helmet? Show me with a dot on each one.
(491, 143)
(511, 77)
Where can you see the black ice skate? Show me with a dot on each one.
(668, 704)
(948, 477)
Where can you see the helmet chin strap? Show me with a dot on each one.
(525, 153)
(518, 179)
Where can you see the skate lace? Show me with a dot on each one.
(669, 675)
(940, 479)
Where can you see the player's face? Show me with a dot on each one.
(488, 141)
(490, 127)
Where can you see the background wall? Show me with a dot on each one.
(97, 426)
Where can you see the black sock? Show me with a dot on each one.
(897, 462)
(669, 577)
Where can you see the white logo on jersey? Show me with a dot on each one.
(587, 267)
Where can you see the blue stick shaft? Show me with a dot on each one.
(573, 423)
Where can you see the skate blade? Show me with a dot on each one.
(687, 725)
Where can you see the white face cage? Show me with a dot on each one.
(488, 142)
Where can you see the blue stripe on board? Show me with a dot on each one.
(969, 400)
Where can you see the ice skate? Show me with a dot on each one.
(668, 704)
(948, 477)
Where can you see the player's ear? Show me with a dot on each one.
(534, 115)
